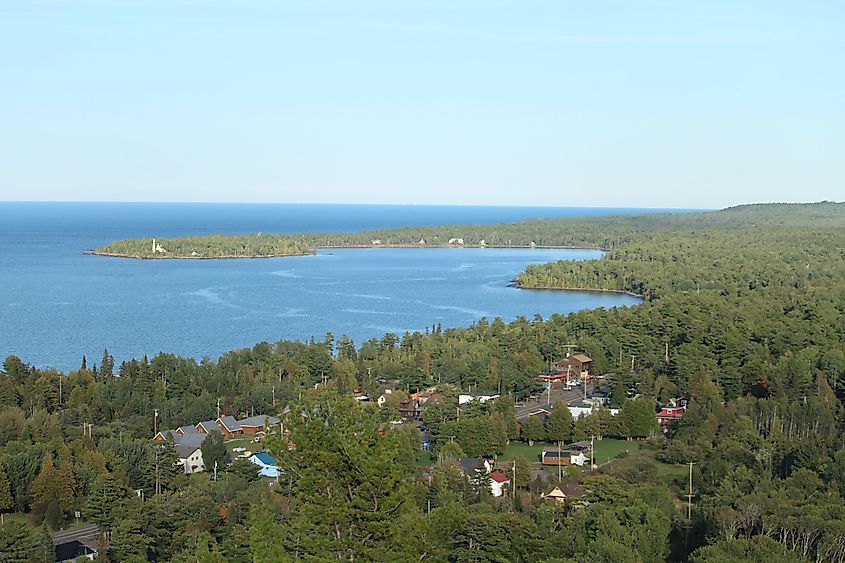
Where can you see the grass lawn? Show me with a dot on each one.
(672, 470)
(531, 453)
(605, 450)
(609, 448)
(243, 443)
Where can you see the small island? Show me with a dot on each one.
(217, 246)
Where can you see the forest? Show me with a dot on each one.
(743, 316)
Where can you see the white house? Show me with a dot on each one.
(266, 463)
(579, 408)
(480, 398)
(187, 441)
(498, 482)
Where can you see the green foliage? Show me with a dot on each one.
(560, 424)
(342, 460)
(213, 450)
(533, 430)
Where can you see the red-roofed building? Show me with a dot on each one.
(498, 482)
(668, 414)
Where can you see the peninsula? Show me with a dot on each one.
(217, 246)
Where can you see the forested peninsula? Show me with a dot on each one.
(738, 350)
(216, 246)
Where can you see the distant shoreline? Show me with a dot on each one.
(341, 247)
(517, 285)
(231, 257)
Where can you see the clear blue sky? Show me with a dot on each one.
(660, 103)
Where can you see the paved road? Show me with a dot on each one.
(83, 533)
(557, 395)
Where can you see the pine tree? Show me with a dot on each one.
(66, 486)
(128, 541)
(44, 488)
(6, 500)
(19, 543)
(266, 542)
(102, 498)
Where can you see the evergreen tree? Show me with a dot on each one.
(6, 500)
(343, 459)
(21, 544)
(128, 541)
(560, 424)
(44, 487)
(103, 497)
(213, 450)
(266, 542)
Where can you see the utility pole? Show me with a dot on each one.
(60, 389)
(155, 423)
(592, 451)
(690, 495)
(666, 354)
(215, 470)
(514, 479)
(632, 362)
(559, 470)
(218, 407)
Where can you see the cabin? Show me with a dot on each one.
(556, 495)
(563, 457)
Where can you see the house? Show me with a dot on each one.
(207, 426)
(556, 495)
(258, 424)
(383, 397)
(410, 409)
(230, 427)
(474, 465)
(266, 463)
(475, 468)
(668, 414)
(563, 457)
(498, 482)
(542, 413)
(581, 407)
(578, 364)
(188, 429)
(189, 452)
(187, 441)
(478, 397)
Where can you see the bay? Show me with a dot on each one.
(57, 304)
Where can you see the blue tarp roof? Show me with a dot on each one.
(265, 458)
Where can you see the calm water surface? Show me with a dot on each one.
(57, 304)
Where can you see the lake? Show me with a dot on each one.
(57, 304)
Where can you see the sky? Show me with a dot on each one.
(628, 103)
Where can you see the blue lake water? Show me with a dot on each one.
(57, 304)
